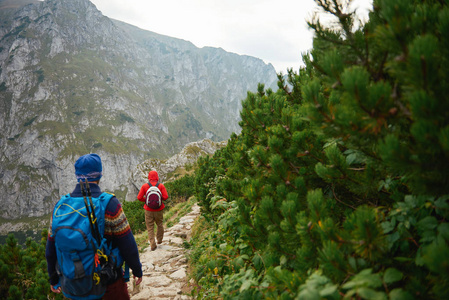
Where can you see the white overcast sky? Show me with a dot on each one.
(272, 30)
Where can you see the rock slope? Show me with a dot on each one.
(73, 81)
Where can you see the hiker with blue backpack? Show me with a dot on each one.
(153, 194)
(89, 239)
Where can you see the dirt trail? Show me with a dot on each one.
(165, 269)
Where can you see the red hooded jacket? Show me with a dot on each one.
(153, 177)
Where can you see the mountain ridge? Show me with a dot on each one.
(72, 81)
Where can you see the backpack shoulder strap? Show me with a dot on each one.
(61, 200)
(103, 202)
(64, 197)
(156, 185)
(106, 197)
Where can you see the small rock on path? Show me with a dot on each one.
(165, 269)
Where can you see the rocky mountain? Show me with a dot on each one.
(73, 81)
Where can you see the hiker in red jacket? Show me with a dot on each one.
(153, 214)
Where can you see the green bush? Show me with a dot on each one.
(135, 214)
(337, 186)
(23, 270)
(181, 189)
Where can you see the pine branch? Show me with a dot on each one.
(346, 22)
(336, 198)
(367, 52)
(396, 98)
(380, 73)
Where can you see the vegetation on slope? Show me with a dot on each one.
(337, 186)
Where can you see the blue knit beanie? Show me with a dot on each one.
(88, 167)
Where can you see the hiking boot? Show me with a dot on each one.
(153, 248)
(159, 242)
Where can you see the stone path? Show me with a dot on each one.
(165, 269)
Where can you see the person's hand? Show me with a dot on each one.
(138, 280)
(55, 290)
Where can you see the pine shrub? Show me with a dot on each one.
(337, 185)
(23, 270)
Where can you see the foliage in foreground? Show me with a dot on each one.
(337, 186)
(23, 270)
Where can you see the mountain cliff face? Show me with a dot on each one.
(73, 81)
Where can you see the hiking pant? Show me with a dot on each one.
(150, 218)
(117, 291)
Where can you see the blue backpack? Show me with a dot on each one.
(86, 264)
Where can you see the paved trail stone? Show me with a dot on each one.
(165, 269)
